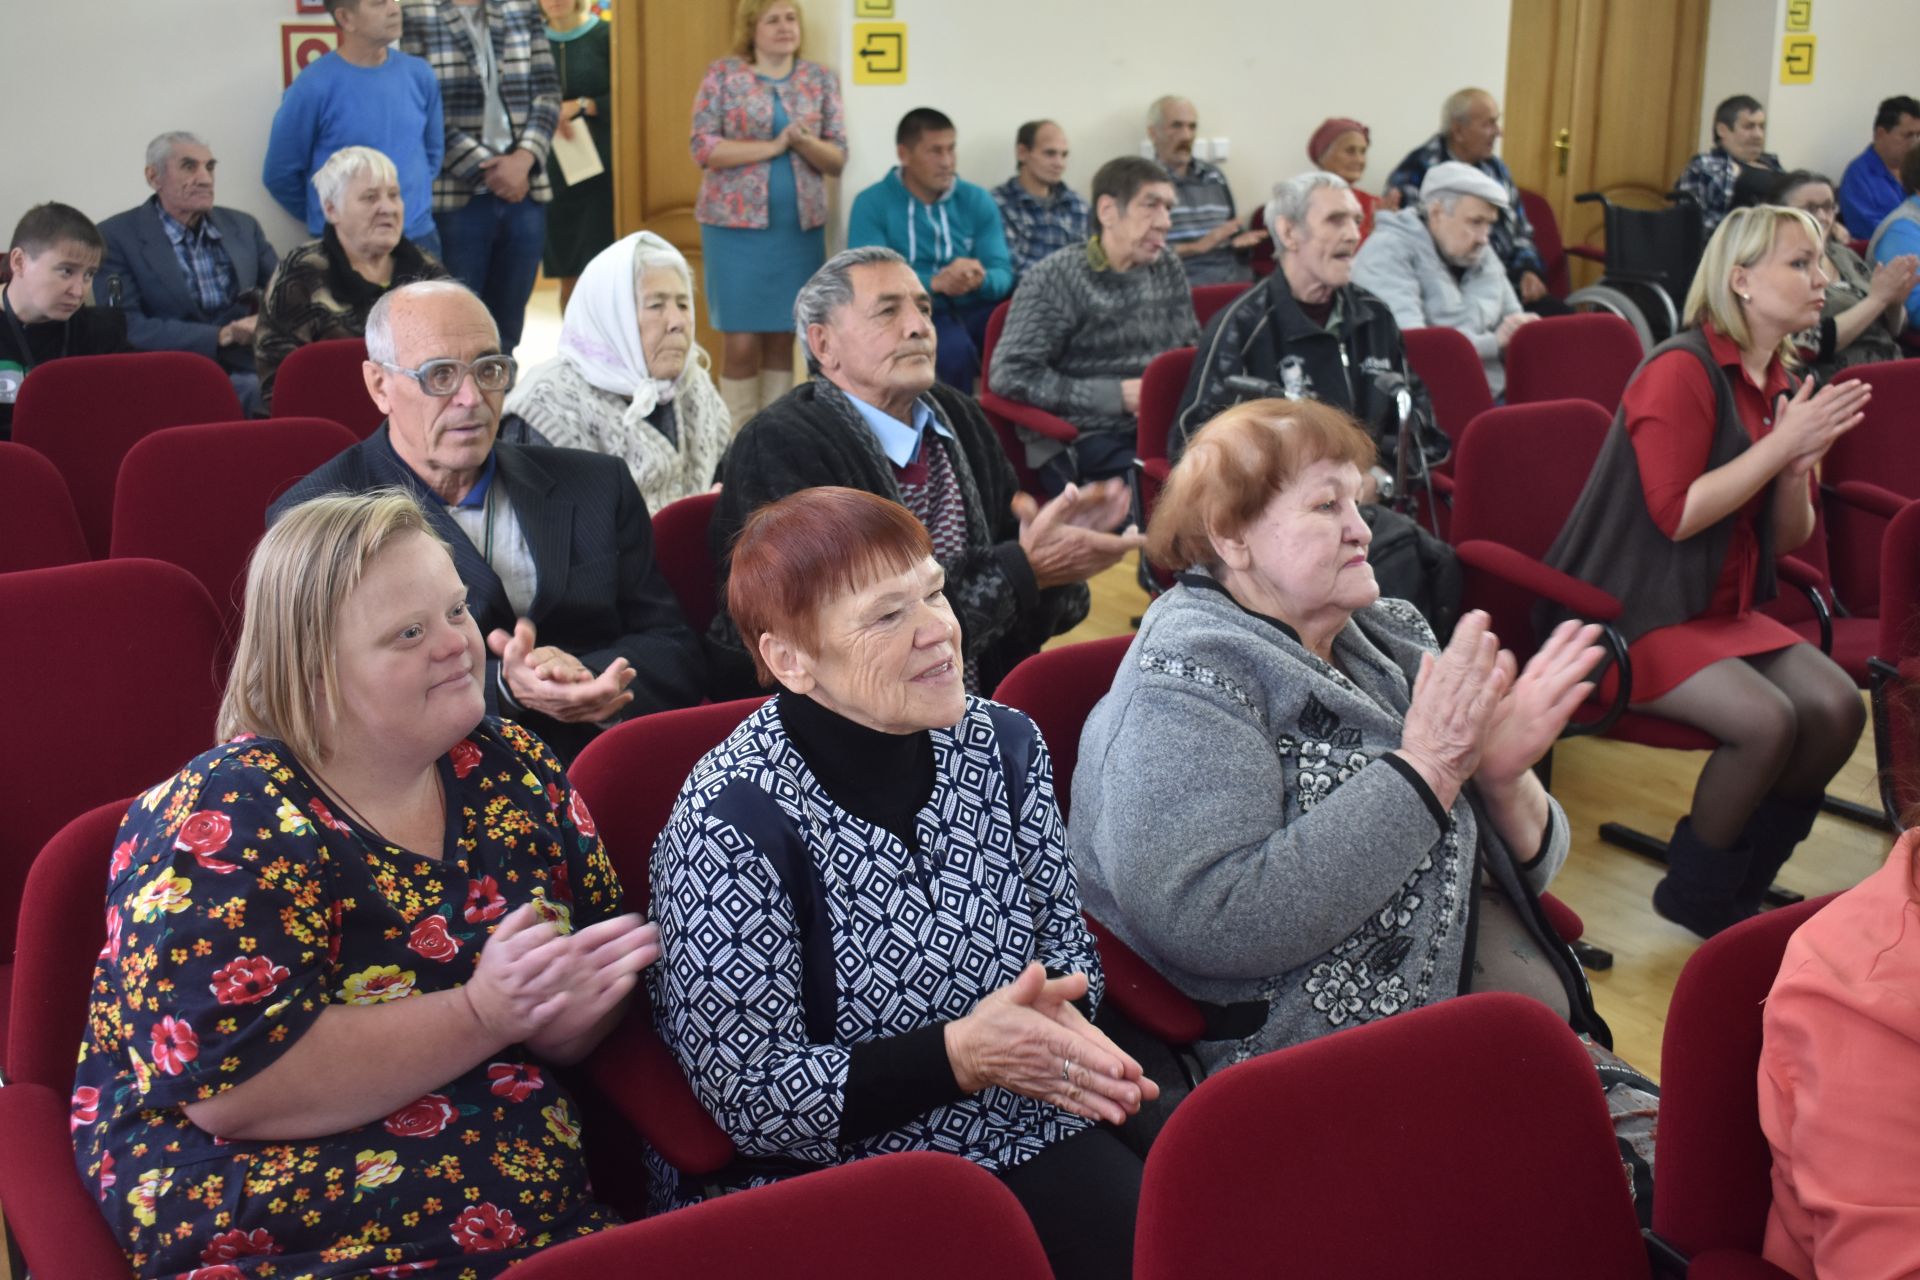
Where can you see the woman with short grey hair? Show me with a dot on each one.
(325, 288)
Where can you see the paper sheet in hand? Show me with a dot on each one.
(577, 157)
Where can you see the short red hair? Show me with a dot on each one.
(794, 556)
(1235, 464)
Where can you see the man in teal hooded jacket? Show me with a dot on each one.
(948, 230)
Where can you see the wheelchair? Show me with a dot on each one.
(1651, 257)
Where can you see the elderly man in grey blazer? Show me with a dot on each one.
(188, 274)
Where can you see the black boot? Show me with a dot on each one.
(1777, 826)
(1702, 884)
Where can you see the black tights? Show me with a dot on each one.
(1786, 722)
(1081, 1194)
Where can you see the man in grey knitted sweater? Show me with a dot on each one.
(1085, 324)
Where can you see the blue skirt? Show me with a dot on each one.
(753, 275)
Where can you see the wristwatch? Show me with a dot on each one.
(1382, 483)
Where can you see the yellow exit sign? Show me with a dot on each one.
(879, 53)
(1796, 59)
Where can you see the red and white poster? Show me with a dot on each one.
(309, 6)
(301, 43)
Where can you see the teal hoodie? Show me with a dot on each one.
(963, 223)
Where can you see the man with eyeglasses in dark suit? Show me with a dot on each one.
(555, 545)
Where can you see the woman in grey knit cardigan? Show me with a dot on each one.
(1291, 803)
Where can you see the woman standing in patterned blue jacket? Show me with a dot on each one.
(872, 938)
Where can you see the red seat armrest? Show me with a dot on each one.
(1870, 497)
(1137, 990)
(1523, 571)
(1796, 572)
(1025, 415)
(633, 1068)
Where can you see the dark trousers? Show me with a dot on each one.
(1096, 455)
(493, 247)
(1082, 1195)
(960, 333)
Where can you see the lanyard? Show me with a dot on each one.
(20, 335)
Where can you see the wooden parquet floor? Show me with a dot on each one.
(1601, 781)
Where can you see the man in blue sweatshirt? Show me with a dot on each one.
(950, 233)
(363, 94)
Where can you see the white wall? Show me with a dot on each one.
(1866, 52)
(1262, 74)
(211, 67)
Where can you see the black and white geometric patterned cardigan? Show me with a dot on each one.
(911, 944)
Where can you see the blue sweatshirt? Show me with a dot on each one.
(963, 223)
(393, 108)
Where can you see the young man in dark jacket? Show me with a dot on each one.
(52, 259)
(1308, 331)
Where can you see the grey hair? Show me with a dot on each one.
(1458, 103)
(379, 333)
(161, 148)
(831, 288)
(1291, 198)
(1157, 109)
(333, 178)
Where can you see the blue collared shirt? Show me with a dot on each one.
(203, 258)
(1869, 191)
(900, 442)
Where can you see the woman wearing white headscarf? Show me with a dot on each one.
(629, 380)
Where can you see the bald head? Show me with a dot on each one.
(445, 440)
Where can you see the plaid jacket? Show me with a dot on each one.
(529, 87)
(1710, 178)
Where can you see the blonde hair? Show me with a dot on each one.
(1743, 238)
(746, 19)
(1235, 464)
(298, 579)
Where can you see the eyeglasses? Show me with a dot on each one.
(441, 378)
(1823, 207)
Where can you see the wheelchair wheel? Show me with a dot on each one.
(1603, 297)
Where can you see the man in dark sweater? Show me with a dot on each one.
(52, 259)
(1308, 330)
(1086, 323)
(872, 418)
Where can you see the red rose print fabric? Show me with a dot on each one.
(242, 905)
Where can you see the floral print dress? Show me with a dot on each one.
(239, 907)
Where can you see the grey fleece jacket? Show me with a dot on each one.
(1238, 821)
(1402, 266)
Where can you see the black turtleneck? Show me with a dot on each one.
(885, 779)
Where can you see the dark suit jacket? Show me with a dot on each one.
(600, 596)
(163, 314)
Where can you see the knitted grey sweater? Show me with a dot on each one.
(1238, 821)
(1078, 328)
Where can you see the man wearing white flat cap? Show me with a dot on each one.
(1431, 264)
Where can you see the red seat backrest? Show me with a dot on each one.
(1590, 356)
(1161, 387)
(630, 776)
(109, 687)
(198, 496)
(1517, 473)
(1058, 688)
(1465, 1138)
(324, 380)
(1546, 238)
(85, 412)
(1884, 450)
(1448, 364)
(858, 1221)
(62, 928)
(38, 527)
(680, 548)
(1714, 1186)
(1209, 298)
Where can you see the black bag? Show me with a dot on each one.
(1412, 565)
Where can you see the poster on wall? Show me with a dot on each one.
(309, 6)
(301, 43)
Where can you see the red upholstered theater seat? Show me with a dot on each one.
(324, 380)
(38, 527)
(1579, 357)
(933, 1217)
(59, 1231)
(85, 412)
(1161, 387)
(1883, 454)
(1209, 298)
(1007, 415)
(681, 549)
(1714, 1185)
(1468, 1138)
(107, 676)
(198, 496)
(1445, 360)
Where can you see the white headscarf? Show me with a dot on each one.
(600, 335)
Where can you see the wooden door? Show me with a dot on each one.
(1617, 84)
(661, 49)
